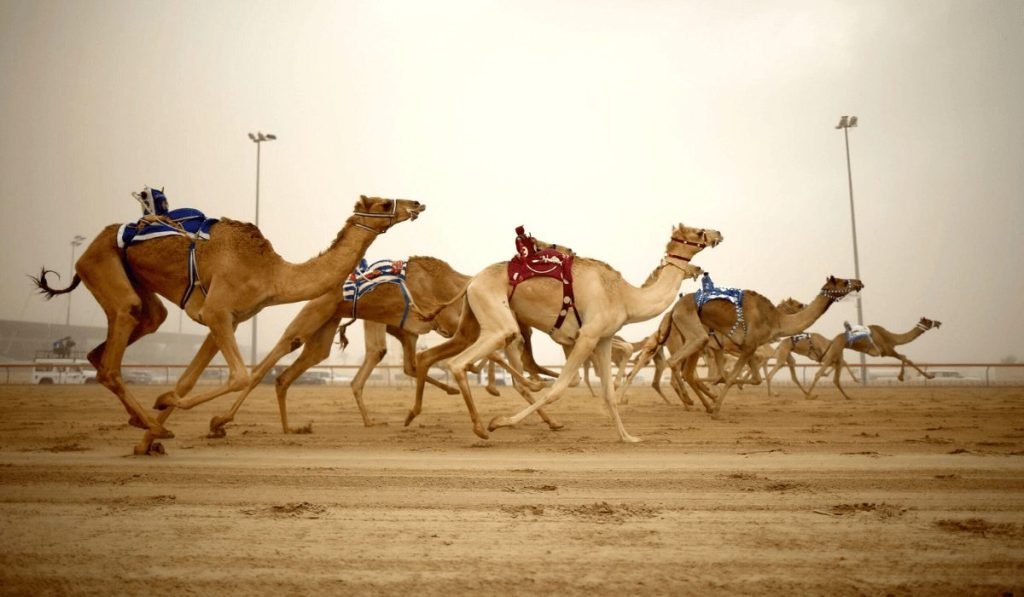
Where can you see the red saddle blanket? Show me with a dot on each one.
(530, 262)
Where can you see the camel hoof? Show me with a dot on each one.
(493, 391)
(479, 431)
(165, 401)
(497, 422)
(452, 391)
(153, 449)
(536, 386)
(216, 433)
(554, 425)
(219, 422)
(409, 417)
(629, 439)
(715, 415)
(374, 423)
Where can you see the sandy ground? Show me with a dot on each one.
(905, 491)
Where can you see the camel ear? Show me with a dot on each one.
(363, 197)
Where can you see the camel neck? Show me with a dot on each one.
(312, 278)
(654, 297)
(803, 319)
(907, 337)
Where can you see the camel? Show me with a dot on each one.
(429, 281)
(713, 356)
(881, 343)
(761, 323)
(604, 302)
(236, 272)
(810, 345)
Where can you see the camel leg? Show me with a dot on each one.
(659, 368)
(688, 372)
(904, 361)
(467, 332)
(490, 339)
(533, 385)
(185, 383)
(520, 383)
(730, 380)
(835, 381)
(808, 393)
(583, 348)
(602, 356)
(676, 381)
(315, 324)
(131, 314)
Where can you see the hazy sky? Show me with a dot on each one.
(597, 124)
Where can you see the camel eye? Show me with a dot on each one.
(387, 205)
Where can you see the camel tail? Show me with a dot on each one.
(44, 286)
(433, 313)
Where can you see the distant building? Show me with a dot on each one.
(20, 341)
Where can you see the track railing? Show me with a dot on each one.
(946, 374)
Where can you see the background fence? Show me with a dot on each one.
(947, 374)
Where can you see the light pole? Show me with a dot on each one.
(258, 139)
(846, 123)
(75, 243)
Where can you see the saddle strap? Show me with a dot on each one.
(193, 275)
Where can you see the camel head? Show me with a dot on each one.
(926, 324)
(791, 306)
(836, 289)
(377, 214)
(687, 242)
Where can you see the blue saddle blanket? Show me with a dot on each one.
(188, 222)
(799, 338)
(856, 332)
(366, 277)
(709, 292)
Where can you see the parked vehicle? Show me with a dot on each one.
(62, 371)
(136, 376)
(316, 377)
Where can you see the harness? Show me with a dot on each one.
(390, 216)
(856, 332)
(187, 222)
(366, 278)
(709, 292)
(530, 262)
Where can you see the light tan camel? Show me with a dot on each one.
(764, 323)
(810, 345)
(430, 283)
(881, 343)
(604, 301)
(239, 273)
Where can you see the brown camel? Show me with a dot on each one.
(810, 345)
(430, 282)
(238, 272)
(762, 323)
(881, 343)
(604, 302)
(713, 356)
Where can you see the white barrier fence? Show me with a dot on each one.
(946, 374)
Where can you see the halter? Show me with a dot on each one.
(922, 327)
(683, 241)
(390, 216)
(834, 295)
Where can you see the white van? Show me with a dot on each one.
(63, 371)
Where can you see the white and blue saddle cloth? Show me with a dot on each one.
(709, 292)
(856, 332)
(369, 276)
(189, 222)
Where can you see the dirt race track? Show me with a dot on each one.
(906, 491)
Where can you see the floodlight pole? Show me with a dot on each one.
(258, 139)
(75, 242)
(846, 123)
